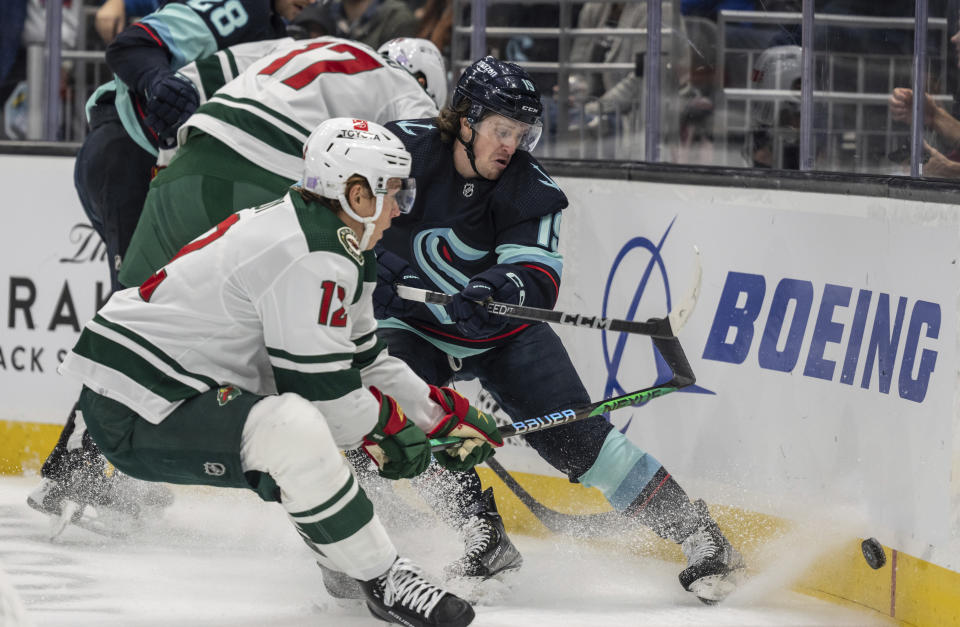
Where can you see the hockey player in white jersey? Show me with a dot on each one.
(245, 144)
(250, 360)
(212, 180)
(422, 58)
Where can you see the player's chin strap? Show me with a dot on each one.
(368, 226)
(468, 146)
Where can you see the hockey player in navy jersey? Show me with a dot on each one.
(486, 224)
(147, 101)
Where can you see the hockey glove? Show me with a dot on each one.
(469, 309)
(397, 445)
(393, 270)
(169, 100)
(477, 430)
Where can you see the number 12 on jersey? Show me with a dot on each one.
(339, 316)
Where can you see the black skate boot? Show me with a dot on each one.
(488, 549)
(78, 480)
(81, 492)
(713, 565)
(403, 596)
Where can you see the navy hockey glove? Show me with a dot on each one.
(477, 431)
(469, 310)
(169, 100)
(393, 270)
(398, 446)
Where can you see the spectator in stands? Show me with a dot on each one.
(710, 8)
(111, 17)
(618, 88)
(618, 91)
(373, 22)
(938, 119)
(774, 137)
(436, 23)
(13, 15)
(24, 23)
(737, 36)
(935, 116)
(859, 39)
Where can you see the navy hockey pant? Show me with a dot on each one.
(112, 175)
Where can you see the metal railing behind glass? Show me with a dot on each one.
(63, 118)
(851, 124)
(622, 132)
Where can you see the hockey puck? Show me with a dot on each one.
(873, 552)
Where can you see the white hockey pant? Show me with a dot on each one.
(288, 437)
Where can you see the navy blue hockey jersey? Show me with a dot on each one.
(179, 32)
(461, 227)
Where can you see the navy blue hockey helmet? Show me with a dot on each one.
(499, 87)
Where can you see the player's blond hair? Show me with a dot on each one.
(449, 120)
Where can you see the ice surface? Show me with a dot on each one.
(223, 558)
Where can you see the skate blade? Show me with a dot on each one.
(110, 525)
(713, 589)
(68, 511)
(483, 590)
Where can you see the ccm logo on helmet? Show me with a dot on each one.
(348, 133)
(361, 125)
(482, 65)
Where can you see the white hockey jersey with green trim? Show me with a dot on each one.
(216, 70)
(267, 113)
(274, 299)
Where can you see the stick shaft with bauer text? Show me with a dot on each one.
(671, 351)
(663, 332)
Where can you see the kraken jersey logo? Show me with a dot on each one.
(468, 190)
(348, 240)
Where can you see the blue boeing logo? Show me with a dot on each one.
(613, 354)
(843, 344)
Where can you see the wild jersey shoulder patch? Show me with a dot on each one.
(348, 240)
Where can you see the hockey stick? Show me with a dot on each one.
(668, 345)
(558, 522)
(670, 350)
(656, 327)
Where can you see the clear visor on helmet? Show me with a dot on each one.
(404, 191)
(517, 135)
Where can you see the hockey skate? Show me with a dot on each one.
(489, 551)
(714, 567)
(85, 495)
(404, 597)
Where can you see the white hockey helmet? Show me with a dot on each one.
(341, 147)
(779, 68)
(420, 57)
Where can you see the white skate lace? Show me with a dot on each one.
(700, 546)
(477, 536)
(405, 585)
